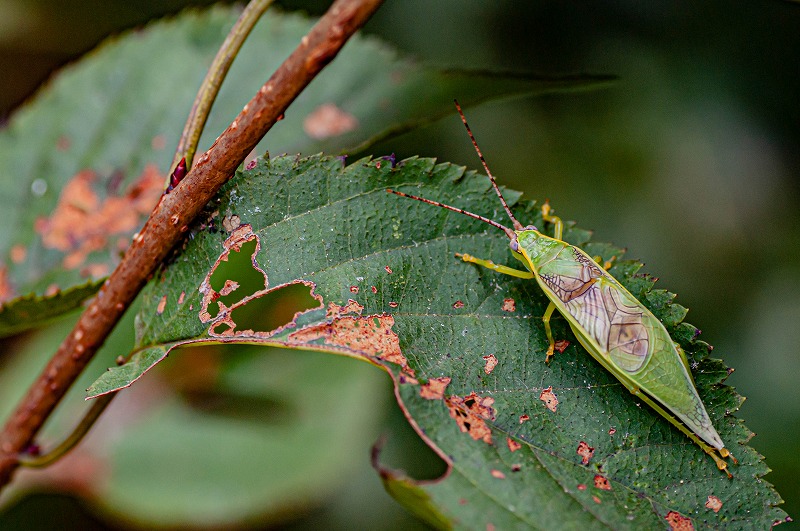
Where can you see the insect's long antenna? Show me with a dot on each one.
(510, 233)
(517, 224)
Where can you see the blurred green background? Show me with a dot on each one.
(689, 161)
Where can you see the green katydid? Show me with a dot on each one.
(610, 323)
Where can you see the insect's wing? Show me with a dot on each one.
(624, 336)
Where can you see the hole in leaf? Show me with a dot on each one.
(271, 310)
(236, 278)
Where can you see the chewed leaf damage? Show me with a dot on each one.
(83, 222)
(235, 310)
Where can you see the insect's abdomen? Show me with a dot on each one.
(622, 334)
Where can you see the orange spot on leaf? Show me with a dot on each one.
(497, 474)
(509, 305)
(561, 345)
(549, 398)
(585, 451)
(458, 304)
(434, 388)
(18, 253)
(388, 269)
(370, 335)
(601, 483)
(524, 418)
(83, 223)
(713, 503)
(471, 413)
(512, 444)
(328, 120)
(161, 305)
(353, 289)
(491, 363)
(678, 522)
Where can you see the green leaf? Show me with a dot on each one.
(382, 285)
(83, 164)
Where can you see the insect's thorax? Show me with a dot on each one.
(537, 249)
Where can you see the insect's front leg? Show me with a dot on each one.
(548, 217)
(495, 267)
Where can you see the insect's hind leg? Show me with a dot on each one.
(495, 267)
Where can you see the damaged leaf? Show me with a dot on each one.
(315, 223)
(86, 160)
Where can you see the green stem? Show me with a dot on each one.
(187, 146)
(88, 420)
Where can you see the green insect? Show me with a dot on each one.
(610, 323)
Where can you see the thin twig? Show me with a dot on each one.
(170, 219)
(187, 146)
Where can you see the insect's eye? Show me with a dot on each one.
(514, 245)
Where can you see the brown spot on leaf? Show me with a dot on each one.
(561, 345)
(374, 289)
(549, 398)
(328, 120)
(512, 444)
(509, 305)
(498, 474)
(585, 451)
(471, 413)
(231, 223)
(371, 335)
(458, 304)
(83, 223)
(516, 467)
(434, 388)
(601, 483)
(352, 307)
(524, 418)
(96, 270)
(713, 503)
(678, 522)
(353, 289)
(161, 305)
(18, 253)
(491, 363)
(612, 431)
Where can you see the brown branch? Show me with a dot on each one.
(171, 218)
